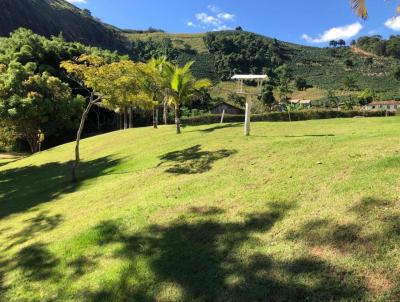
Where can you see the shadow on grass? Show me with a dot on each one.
(311, 135)
(27, 187)
(204, 260)
(41, 223)
(219, 127)
(374, 234)
(37, 262)
(192, 160)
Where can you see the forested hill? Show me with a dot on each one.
(371, 61)
(50, 17)
(220, 54)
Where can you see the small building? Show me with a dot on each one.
(229, 109)
(303, 103)
(391, 105)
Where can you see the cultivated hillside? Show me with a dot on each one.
(323, 68)
(50, 17)
(298, 211)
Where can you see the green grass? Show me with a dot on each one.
(298, 211)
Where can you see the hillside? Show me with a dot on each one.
(50, 17)
(298, 211)
(323, 68)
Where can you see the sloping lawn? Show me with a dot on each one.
(298, 211)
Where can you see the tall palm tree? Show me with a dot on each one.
(183, 86)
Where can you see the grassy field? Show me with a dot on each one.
(298, 211)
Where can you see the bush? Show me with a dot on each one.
(283, 116)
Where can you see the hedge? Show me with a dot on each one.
(283, 116)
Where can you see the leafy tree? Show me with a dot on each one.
(267, 96)
(397, 74)
(284, 85)
(157, 85)
(349, 63)
(239, 100)
(341, 43)
(116, 85)
(366, 96)
(301, 83)
(349, 103)
(31, 102)
(183, 86)
(350, 83)
(331, 99)
(239, 28)
(333, 43)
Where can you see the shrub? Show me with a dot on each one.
(283, 116)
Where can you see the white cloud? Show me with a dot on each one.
(215, 19)
(222, 27)
(226, 16)
(77, 1)
(343, 32)
(208, 20)
(393, 23)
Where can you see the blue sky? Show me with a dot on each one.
(309, 22)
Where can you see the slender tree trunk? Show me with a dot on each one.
(32, 142)
(125, 118)
(155, 117)
(177, 120)
(79, 134)
(120, 120)
(165, 112)
(130, 117)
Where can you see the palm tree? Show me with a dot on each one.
(183, 86)
(360, 7)
(158, 84)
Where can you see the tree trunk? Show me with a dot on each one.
(130, 117)
(120, 120)
(247, 118)
(98, 119)
(155, 117)
(177, 120)
(79, 134)
(32, 142)
(165, 112)
(125, 119)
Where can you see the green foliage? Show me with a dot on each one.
(239, 52)
(29, 102)
(33, 89)
(238, 100)
(350, 83)
(301, 83)
(50, 18)
(366, 96)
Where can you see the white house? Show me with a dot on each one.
(303, 103)
(383, 105)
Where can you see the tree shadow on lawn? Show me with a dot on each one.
(41, 223)
(374, 235)
(27, 187)
(218, 127)
(193, 160)
(204, 258)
